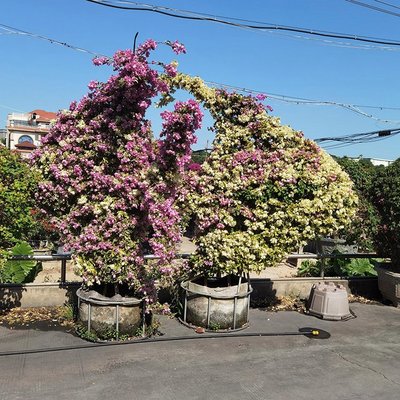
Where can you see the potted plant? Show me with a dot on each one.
(111, 188)
(263, 191)
(386, 198)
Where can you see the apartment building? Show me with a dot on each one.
(25, 130)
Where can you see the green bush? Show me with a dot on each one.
(338, 267)
(387, 202)
(17, 186)
(364, 226)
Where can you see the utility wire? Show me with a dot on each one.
(11, 30)
(298, 100)
(279, 97)
(256, 25)
(375, 8)
(388, 4)
(357, 138)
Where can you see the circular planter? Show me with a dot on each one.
(116, 315)
(216, 304)
(389, 283)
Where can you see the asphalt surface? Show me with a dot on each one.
(360, 360)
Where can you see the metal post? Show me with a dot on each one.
(117, 321)
(89, 316)
(234, 312)
(63, 270)
(144, 319)
(322, 272)
(208, 311)
(185, 306)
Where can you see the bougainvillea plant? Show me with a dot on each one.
(263, 191)
(108, 185)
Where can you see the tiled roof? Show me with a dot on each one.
(44, 116)
(25, 146)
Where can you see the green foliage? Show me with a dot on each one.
(386, 198)
(19, 271)
(309, 268)
(364, 226)
(17, 186)
(338, 267)
(199, 156)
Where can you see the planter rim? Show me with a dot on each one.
(130, 301)
(184, 285)
(386, 267)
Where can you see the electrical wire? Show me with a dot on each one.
(357, 138)
(263, 26)
(16, 31)
(298, 100)
(279, 97)
(375, 8)
(387, 4)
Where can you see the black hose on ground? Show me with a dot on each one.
(308, 332)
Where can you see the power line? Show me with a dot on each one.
(11, 30)
(255, 25)
(358, 138)
(279, 97)
(375, 8)
(299, 100)
(388, 4)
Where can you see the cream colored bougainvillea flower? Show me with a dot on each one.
(264, 190)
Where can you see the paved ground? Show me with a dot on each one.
(361, 360)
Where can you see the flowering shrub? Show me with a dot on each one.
(109, 186)
(263, 191)
(387, 202)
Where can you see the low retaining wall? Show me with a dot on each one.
(37, 294)
(264, 291)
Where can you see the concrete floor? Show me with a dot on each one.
(360, 360)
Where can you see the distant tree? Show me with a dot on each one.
(18, 184)
(365, 223)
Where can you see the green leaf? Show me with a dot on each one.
(20, 271)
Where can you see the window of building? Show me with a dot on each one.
(25, 138)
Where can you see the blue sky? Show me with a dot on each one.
(37, 74)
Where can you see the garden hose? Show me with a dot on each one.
(308, 332)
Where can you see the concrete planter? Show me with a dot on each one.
(102, 315)
(217, 305)
(329, 245)
(389, 283)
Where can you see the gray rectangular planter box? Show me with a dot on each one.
(389, 283)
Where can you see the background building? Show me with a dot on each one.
(25, 130)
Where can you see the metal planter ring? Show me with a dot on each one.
(216, 306)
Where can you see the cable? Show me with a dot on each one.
(279, 97)
(379, 9)
(298, 100)
(357, 138)
(308, 332)
(196, 16)
(387, 4)
(16, 31)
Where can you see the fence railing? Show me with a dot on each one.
(323, 257)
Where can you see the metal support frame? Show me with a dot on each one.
(65, 257)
